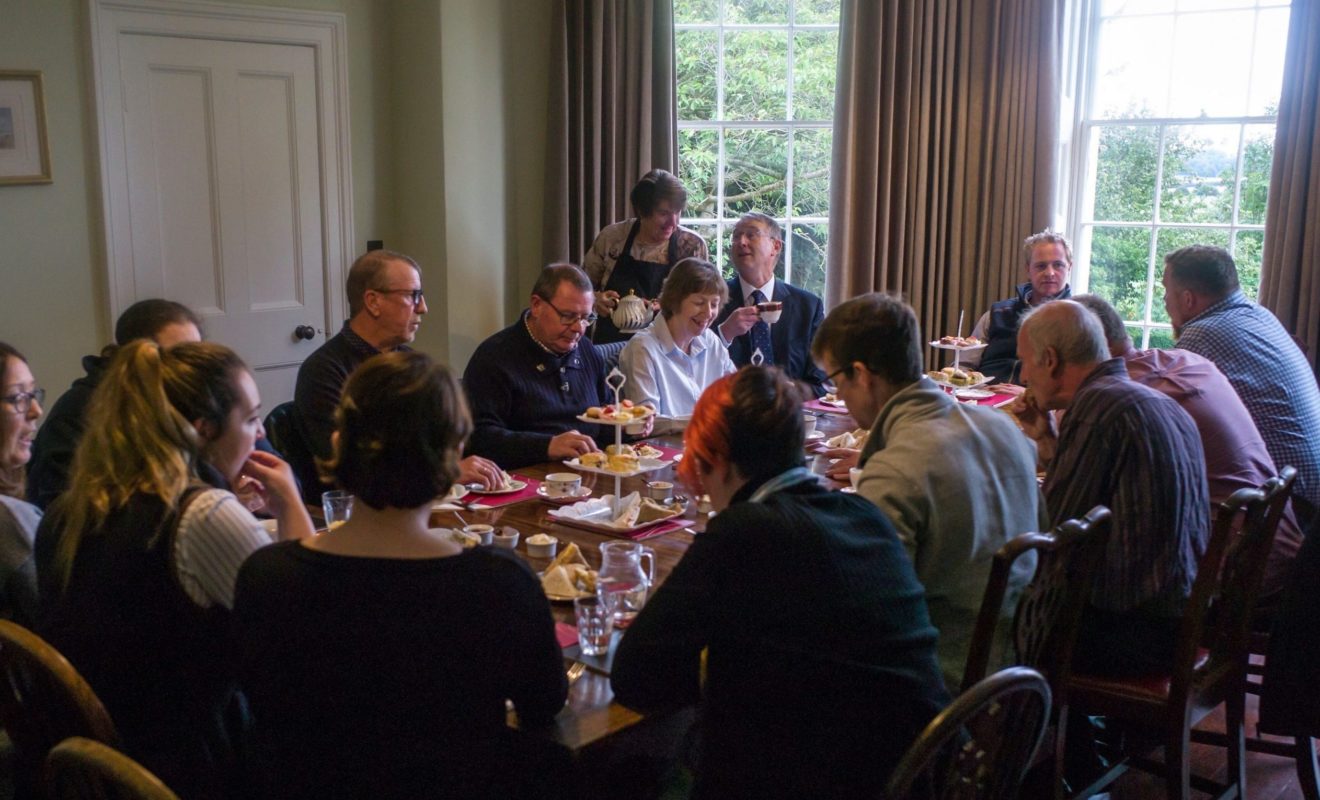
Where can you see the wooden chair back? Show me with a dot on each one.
(43, 701)
(1046, 620)
(81, 769)
(980, 745)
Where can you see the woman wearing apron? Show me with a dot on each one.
(636, 254)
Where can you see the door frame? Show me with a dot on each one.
(324, 32)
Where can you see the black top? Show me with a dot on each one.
(821, 668)
(522, 395)
(321, 380)
(791, 336)
(643, 278)
(351, 662)
(999, 359)
(57, 439)
(160, 663)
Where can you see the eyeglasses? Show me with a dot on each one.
(830, 378)
(414, 295)
(567, 318)
(22, 401)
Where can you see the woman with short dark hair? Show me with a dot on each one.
(672, 361)
(635, 255)
(378, 656)
(797, 604)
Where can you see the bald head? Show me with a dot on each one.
(1070, 329)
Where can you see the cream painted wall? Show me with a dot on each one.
(448, 102)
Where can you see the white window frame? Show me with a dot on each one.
(720, 124)
(1080, 150)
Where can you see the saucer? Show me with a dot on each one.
(583, 491)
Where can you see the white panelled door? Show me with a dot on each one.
(224, 192)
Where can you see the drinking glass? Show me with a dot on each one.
(338, 507)
(594, 625)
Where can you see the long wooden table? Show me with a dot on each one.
(591, 715)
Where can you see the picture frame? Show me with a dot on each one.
(24, 146)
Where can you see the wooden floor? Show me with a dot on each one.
(1268, 777)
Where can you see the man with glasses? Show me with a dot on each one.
(528, 383)
(957, 480)
(386, 305)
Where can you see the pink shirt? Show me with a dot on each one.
(1235, 454)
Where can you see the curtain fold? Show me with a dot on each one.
(613, 115)
(1290, 270)
(945, 142)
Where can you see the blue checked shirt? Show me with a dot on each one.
(1273, 379)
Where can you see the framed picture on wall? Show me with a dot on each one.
(24, 150)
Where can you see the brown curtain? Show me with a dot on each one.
(613, 114)
(946, 127)
(1290, 272)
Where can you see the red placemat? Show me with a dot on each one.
(998, 399)
(497, 500)
(824, 408)
(659, 529)
(566, 634)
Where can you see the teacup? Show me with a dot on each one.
(562, 484)
(770, 311)
(484, 532)
(660, 491)
(808, 424)
(855, 476)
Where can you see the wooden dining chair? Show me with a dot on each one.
(1209, 661)
(82, 769)
(1046, 619)
(981, 744)
(43, 701)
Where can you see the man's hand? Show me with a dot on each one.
(475, 469)
(740, 321)
(848, 458)
(606, 301)
(570, 444)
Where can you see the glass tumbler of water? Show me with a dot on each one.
(595, 623)
(338, 507)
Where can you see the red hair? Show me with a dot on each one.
(707, 433)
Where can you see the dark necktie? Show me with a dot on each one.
(761, 334)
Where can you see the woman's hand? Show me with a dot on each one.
(606, 301)
(475, 469)
(267, 477)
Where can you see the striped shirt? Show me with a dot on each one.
(1128, 447)
(216, 535)
(1273, 379)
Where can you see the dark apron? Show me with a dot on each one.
(643, 278)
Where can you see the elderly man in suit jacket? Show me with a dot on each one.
(757, 243)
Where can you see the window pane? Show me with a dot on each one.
(1257, 157)
(815, 56)
(1169, 239)
(756, 12)
(1267, 67)
(756, 167)
(817, 12)
(1213, 5)
(755, 75)
(1161, 338)
(697, 70)
(709, 232)
(698, 163)
(809, 243)
(1211, 65)
(811, 172)
(1114, 8)
(1246, 253)
(1133, 64)
(1125, 173)
(1119, 257)
(1199, 164)
(698, 11)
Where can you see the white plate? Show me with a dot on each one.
(644, 465)
(630, 421)
(960, 348)
(947, 385)
(849, 490)
(972, 394)
(514, 486)
(583, 492)
(834, 403)
(815, 436)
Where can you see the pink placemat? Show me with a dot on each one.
(998, 399)
(659, 529)
(824, 408)
(497, 500)
(566, 634)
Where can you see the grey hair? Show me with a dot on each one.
(1070, 328)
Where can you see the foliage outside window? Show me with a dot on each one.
(755, 114)
(1177, 123)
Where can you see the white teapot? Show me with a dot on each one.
(631, 314)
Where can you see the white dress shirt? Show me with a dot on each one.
(660, 372)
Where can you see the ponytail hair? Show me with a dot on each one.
(140, 435)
